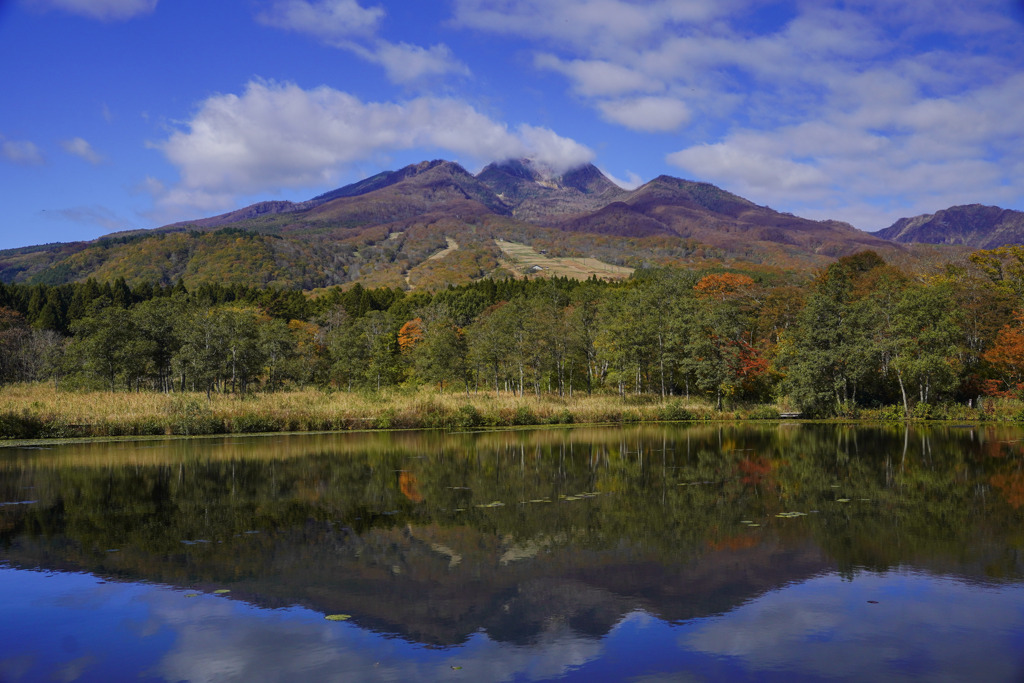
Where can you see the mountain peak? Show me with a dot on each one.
(972, 225)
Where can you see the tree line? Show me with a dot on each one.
(859, 333)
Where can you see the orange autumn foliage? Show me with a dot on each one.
(1011, 486)
(722, 285)
(1007, 357)
(410, 334)
(408, 485)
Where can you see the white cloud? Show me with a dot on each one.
(823, 627)
(405, 63)
(599, 77)
(346, 25)
(327, 20)
(652, 114)
(758, 173)
(631, 182)
(588, 25)
(862, 108)
(81, 149)
(279, 135)
(21, 152)
(105, 10)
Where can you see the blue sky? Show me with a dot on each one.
(121, 114)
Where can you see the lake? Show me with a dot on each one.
(776, 552)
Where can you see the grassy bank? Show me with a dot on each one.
(39, 411)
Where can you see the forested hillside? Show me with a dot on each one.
(382, 231)
(859, 333)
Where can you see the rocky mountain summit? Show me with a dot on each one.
(972, 225)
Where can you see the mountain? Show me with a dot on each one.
(972, 225)
(434, 223)
(711, 216)
(538, 195)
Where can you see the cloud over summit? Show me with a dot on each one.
(278, 135)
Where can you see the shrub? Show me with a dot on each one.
(561, 417)
(466, 417)
(524, 416)
(673, 411)
(922, 411)
(255, 424)
(190, 416)
(20, 425)
(763, 413)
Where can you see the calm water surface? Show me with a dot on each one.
(655, 553)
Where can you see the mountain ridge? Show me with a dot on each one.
(383, 230)
(973, 225)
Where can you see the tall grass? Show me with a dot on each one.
(39, 411)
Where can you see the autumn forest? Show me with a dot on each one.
(858, 335)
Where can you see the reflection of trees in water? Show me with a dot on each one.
(402, 529)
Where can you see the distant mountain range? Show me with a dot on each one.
(434, 223)
(973, 225)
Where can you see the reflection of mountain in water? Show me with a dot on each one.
(432, 536)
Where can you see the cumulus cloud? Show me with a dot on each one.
(896, 149)
(105, 10)
(760, 173)
(21, 152)
(346, 25)
(587, 24)
(857, 110)
(405, 63)
(327, 20)
(632, 181)
(81, 149)
(277, 135)
(821, 628)
(652, 114)
(599, 77)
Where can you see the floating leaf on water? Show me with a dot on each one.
(753, 525)
(456, 667)
(571, 498)
(191, 595)
(541, 500)
(221, 591)
(842, 500)
(337, 617)
(492, 504)
(746, 521)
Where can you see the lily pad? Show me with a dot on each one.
(221, 591)
(842, 500)
(492, 504)
(191, 595)
(337, 617)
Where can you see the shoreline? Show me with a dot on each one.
(40, 412)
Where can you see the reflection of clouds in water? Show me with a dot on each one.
(922, 626)
(219, 640)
